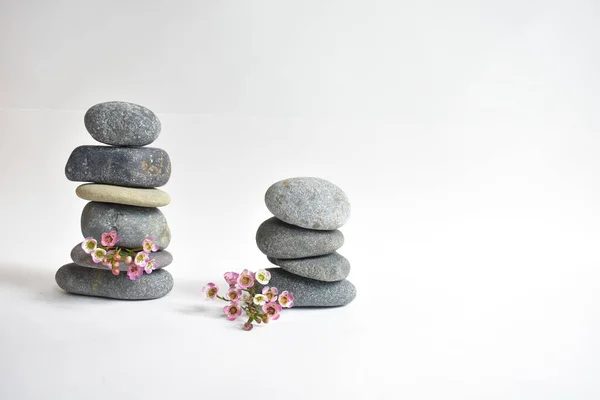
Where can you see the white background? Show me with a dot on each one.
(466, 134)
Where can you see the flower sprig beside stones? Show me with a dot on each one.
(243, 295)
(109, 254)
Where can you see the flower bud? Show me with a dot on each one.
(248, 326)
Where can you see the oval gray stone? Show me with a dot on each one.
(328, 268)
(75, 279)
(141, 197)
(133, 224)
(278, 239)
(81, 258)
(119, 123)
(146, 167)
(311, 203)
(312, 293)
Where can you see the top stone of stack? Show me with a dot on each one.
(119, 123)
(311, 203)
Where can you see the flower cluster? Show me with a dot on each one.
(109, 254)
(243, 295)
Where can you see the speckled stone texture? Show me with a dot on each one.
(278, 239)
(328, 268)
(75, 279)
(133, 224)
(80, 257)
(118, 123)
(312, 293)
(140, 197)
(311, 203)
(145, 167)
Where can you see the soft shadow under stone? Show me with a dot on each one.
(75, 279)
(312, 293)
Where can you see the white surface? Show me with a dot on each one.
(465, 134)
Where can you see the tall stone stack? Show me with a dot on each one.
(123, 197)
(302, 239)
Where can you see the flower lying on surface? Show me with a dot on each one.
(110, 255)
(210, 290)
(244, 294)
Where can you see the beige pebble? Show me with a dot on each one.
(123, 195)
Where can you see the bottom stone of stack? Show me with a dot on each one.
(75, 279)
(312, 293)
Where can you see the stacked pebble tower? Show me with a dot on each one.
(302, 240)
(123, 197)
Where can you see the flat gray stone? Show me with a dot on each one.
(81, 258)
(146, 167)
(133, 224)
(328, 268)
(312, 293)
(141, 197)
(118, 123)
(278, 239)
(75, 279)
(311, 203)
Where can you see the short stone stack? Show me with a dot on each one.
(123, 197)
(302, 240)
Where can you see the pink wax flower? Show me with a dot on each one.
(234, 294)
(89, 244)
(232, 311)
(246, 279)
(270, 293)
(98, 255)
(150, 266)
(148, 245)
(231, 278)
(210, 291)
(110, 239)
(141, 259)
(286, 299)
(134, 271)
(272, 309)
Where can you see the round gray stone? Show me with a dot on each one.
(278, 239)
(75, 279)
(146, 167)
(80, 257)
(133, 224)
(312, 293)
(328, 268)
(311, 203)
(118, 123)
